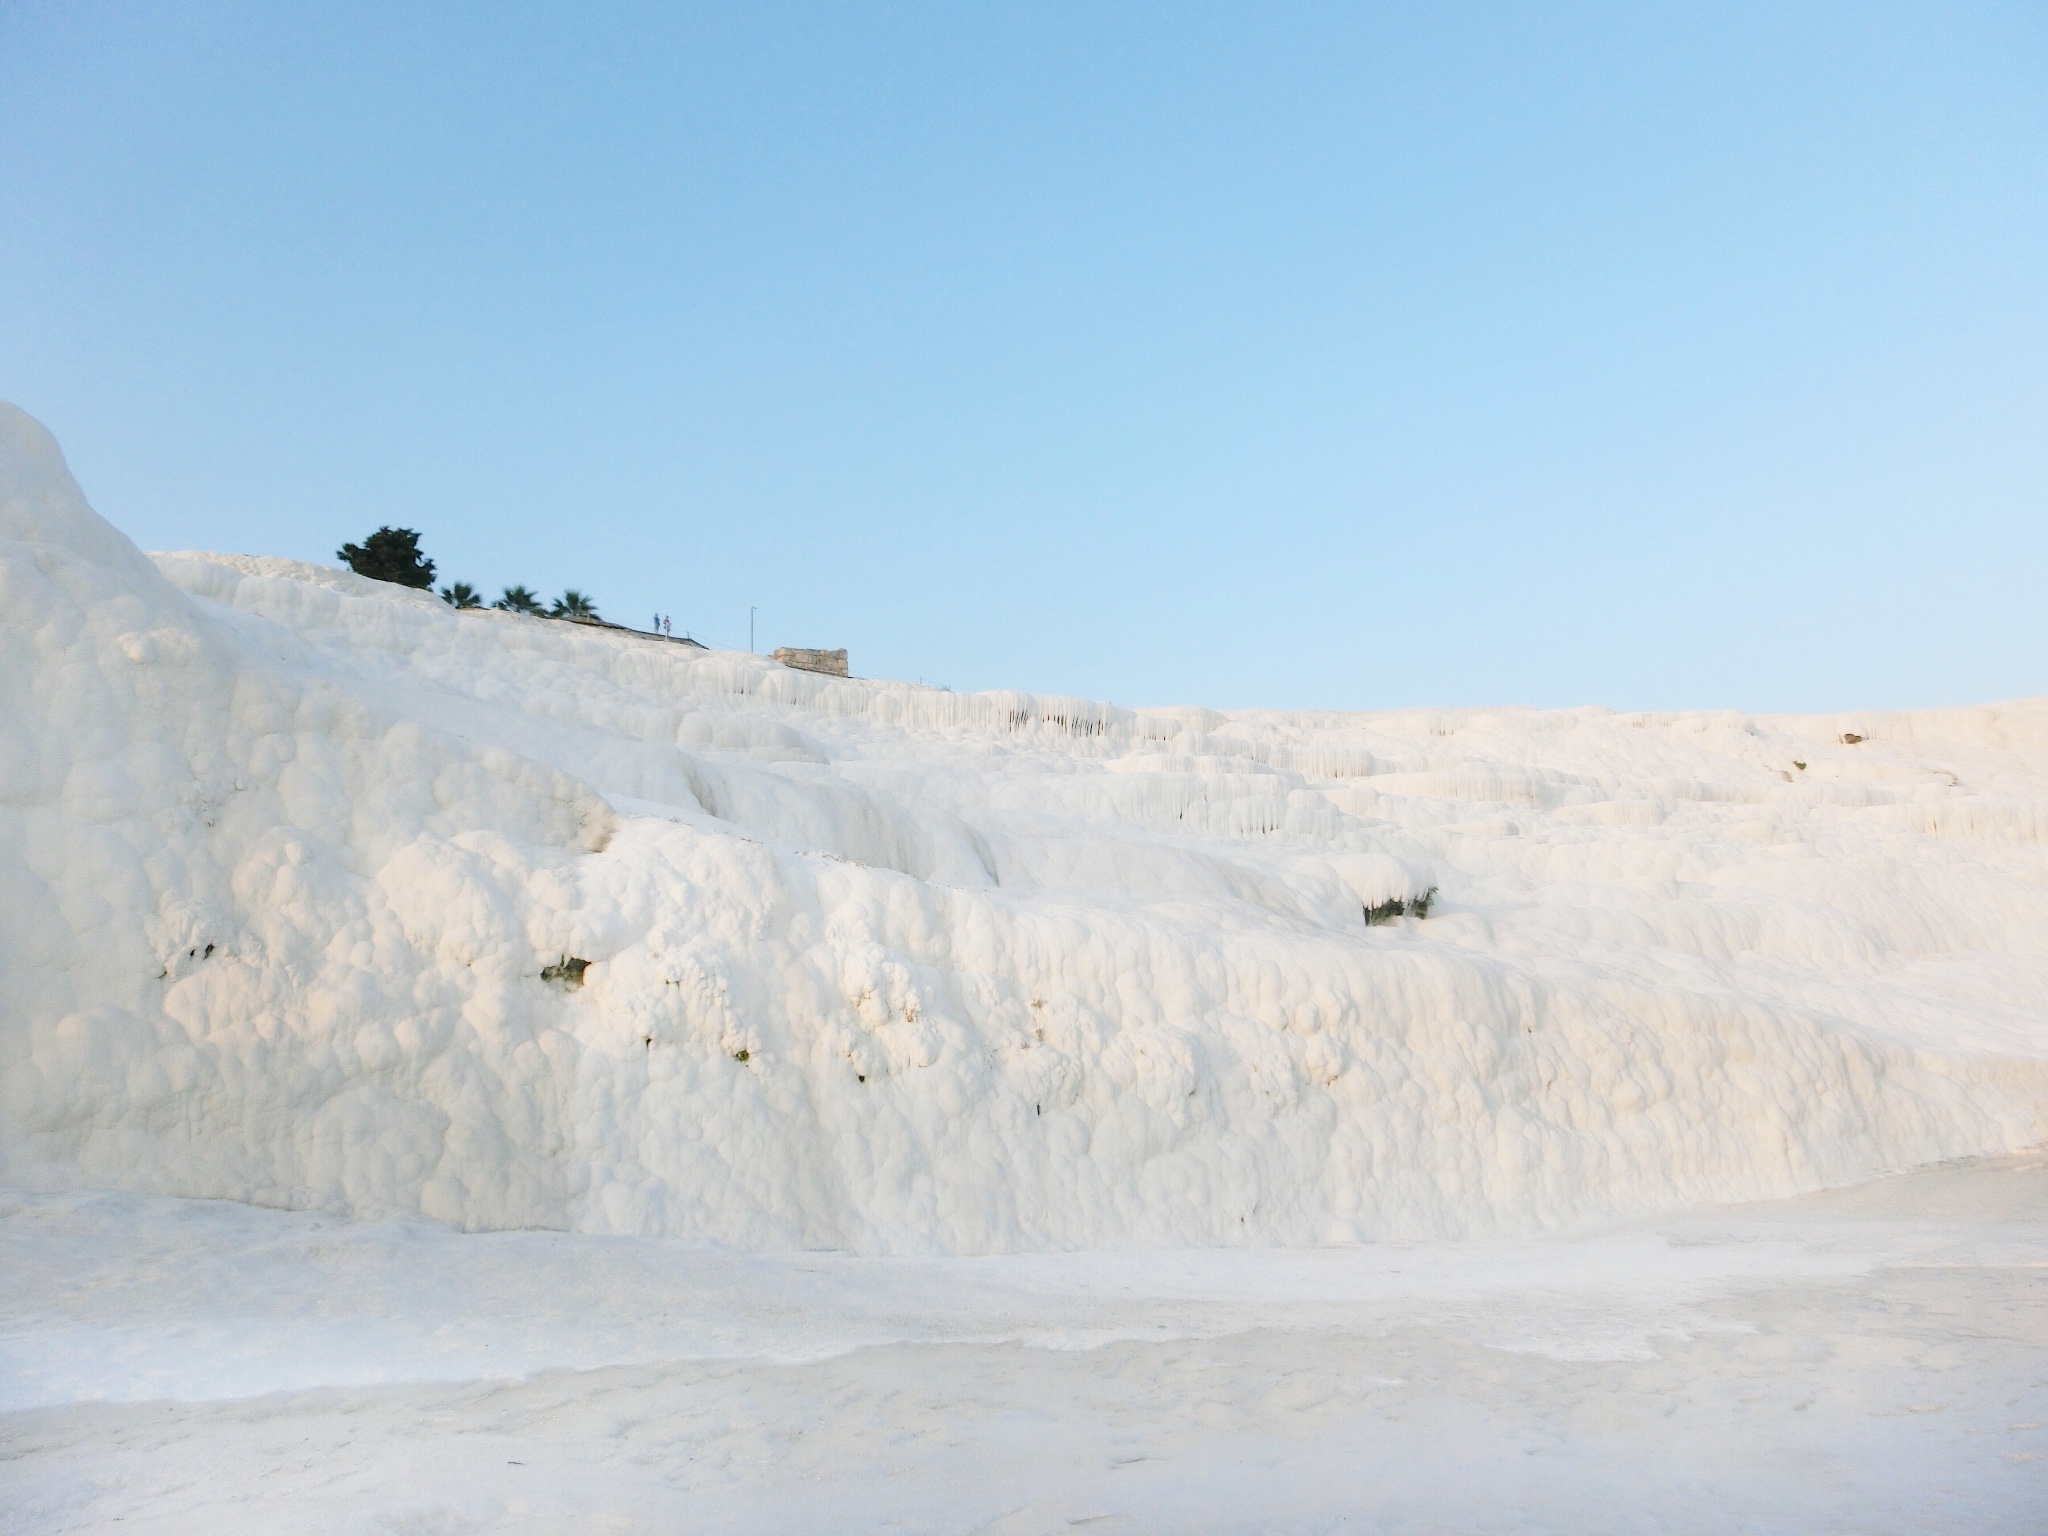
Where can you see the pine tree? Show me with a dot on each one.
(390, 554)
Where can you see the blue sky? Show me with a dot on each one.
(1357, 357)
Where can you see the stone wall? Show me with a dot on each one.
(832, 663)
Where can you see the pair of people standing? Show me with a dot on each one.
(661, 626)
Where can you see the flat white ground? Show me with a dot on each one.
(1870, 1360)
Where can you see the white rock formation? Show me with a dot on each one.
(295, 869)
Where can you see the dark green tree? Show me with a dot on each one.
(573, 605)
(390, 554)
(462, 595)
(520, 600)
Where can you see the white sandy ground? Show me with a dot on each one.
(1869, 1360)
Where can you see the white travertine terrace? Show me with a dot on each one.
(295, 869)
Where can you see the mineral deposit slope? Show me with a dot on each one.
(316, 892)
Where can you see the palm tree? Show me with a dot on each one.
(520, 600)
(573, 605)
(462, 595)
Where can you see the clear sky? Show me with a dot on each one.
(1643, 355)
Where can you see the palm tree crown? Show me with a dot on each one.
(520, 600)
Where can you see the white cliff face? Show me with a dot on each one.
(316, 892)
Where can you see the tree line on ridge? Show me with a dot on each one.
(393, 555)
